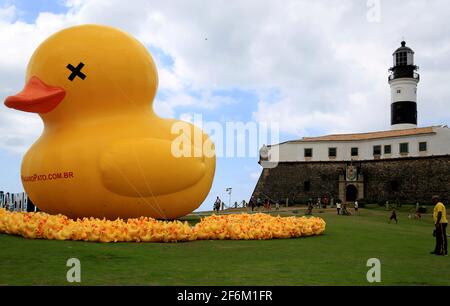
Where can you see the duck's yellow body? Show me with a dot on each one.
(104, 152)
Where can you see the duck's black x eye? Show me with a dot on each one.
(76, 72)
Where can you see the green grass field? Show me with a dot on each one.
(338, 257)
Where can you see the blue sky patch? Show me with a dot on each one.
(29, 10)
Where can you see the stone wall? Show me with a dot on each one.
(405, 180)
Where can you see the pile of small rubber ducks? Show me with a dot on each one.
(257, 227)
(234, 227)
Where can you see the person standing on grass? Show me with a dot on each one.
(310, 208)
(393, 216)
(267, 204)
(217, 204)
(418, 215)
(338, 207)
(252, 203)
(440, 223)
(356, 206)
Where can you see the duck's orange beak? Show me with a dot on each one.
(36, 97)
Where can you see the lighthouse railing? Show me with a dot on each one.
(399, 76)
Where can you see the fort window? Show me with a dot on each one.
(404, 148)
(354, 151)
(307, 186)
(376, 150)
(387, 149)
(308, 152)
(422, 146)
(332, 152)
(399, 91)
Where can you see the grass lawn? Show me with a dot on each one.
(338, 257)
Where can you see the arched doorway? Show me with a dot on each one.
(351, 192)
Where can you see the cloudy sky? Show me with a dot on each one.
(313, 67)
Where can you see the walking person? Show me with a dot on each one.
(252, 203)
(266, 204)
(217, 204)
(418, 215)
(356, 207)
(338, 207)
(440, 223)
(393, 216)
(309, 211)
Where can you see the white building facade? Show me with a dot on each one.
(418, 142)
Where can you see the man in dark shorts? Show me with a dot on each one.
(393, 216)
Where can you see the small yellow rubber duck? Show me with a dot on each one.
(104, 152)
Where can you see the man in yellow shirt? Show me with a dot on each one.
(440, 222)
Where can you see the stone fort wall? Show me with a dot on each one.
(405, 180)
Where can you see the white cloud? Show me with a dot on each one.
(169, 81)
(18, 131)
(7, 13)
(326, 61)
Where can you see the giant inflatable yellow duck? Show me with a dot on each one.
(104, 152)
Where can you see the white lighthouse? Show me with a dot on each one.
(403, 81)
